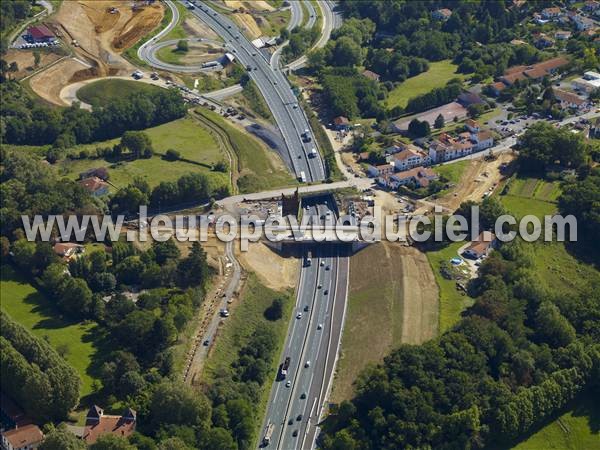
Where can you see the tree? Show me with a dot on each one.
(346, 52)
(37, 57)
(23, 253)
(193, 270)
(219, 439)
(61, 439)
(165, 250)
(439, 122)
(138, 143)
(418, 128)
(172, 155)
(275, 311)
(76, 298)
(552, 327)
(176, 403)
(182, 46)
(111, 442)
(128, 200)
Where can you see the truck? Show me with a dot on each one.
(283, 368)
(308, 260)
(312, 153)
(302, 177)
(268, 433)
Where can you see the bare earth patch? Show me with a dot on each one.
(26, 61)
(392, 299)
(273, 271)
(247, 22)
(49, 83)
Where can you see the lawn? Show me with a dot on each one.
(438, 75)
(531, 196)
(259, 167)
(247, 316)
(189, 138)
(452, 301)
(26, 305)
(104, 92)
(578, 428)
(273, 22)
(177, 32)
(452, 171)
(170, 55)
(374, 315)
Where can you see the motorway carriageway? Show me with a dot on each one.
(276, 90)
(328, 272)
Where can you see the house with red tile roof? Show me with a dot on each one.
(97, 423)
(39, 33)
(441, 14)
(94, 186)
(569, 99)
(27, 437)
(482, 246)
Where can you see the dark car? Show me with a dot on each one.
(299, 418)
(295, 433)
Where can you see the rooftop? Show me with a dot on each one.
(25, 436)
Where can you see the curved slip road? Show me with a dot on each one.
(276, 90)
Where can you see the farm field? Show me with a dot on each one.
(530, 196)
(438, 75)
(103, 92)
(26, 305)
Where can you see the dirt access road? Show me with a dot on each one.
(477, 179)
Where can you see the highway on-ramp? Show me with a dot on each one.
(276, 90)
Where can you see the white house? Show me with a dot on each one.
(447, 147)
(420, 176)
(583, 23)
(409, 158)
(589, 82)
(380, 170)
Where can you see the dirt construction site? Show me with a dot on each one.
(97, 32)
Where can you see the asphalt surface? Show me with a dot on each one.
(322, 290)
(276, 90)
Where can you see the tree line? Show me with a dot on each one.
(26, 122)
(34, 374)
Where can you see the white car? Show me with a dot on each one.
(288, 383)
(299, 315)
(307, 364)
(322, 263)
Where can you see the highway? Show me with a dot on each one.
(276, 90)
(296, 402)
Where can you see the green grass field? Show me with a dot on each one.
(453, 171)
(531, 196)
(260, 168)
(246, 318)
(185, 135)
(178, 32)
(105, 91)
(452, 303)
(26, 305)
(438, 75)
(578, 428)
(170, 55)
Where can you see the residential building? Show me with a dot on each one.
(497, 87)
(591, 6)
(533, 72)
(27, 437)
(39, 33)
(569, 99)
(482, 246)
(341, 123)
(95, 186)
(97, 423)
(470, 98)
(551, 13)
(420, 176)
(441, 14)
(380, 169)
(446, 147)
(68, 249)
(563, 35)
(583, 23)
(589, 82)
(542, 40)
(472, 125)
(371, 75)
(409, 158)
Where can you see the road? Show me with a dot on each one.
(276, 90)
(312, 343)
(331, 20)
(201, 350)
